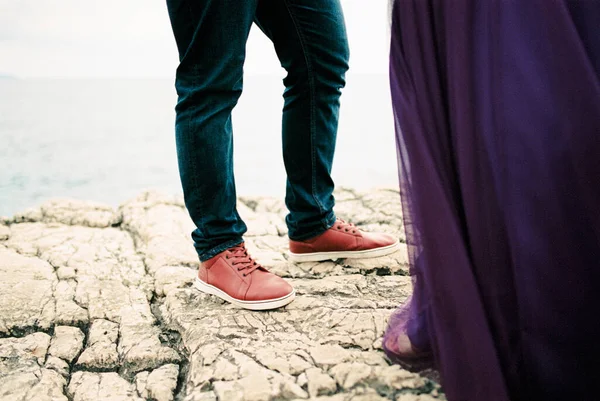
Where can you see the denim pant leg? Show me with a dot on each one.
(211, 38)
(311, 43)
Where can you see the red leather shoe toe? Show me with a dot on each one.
(377, 240)
(266, 285)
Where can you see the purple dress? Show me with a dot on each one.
(497, 106)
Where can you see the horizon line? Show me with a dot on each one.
(161, 77)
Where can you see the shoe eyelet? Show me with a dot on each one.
(244, 275)
(339, 228)
(346, 230)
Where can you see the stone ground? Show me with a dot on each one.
(98, 304)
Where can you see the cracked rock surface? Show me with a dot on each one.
(98, 304)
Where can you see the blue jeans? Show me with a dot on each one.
(310, 40)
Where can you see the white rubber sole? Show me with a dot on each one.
(251, 305)
(322, 256)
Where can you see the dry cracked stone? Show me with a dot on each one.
(4, 232)
(328, 354)
(161, 229)
(89, 386)
(66, 343)
(68, 311)
(158, 384)
(70, 212)
(100, 353)
(58, 365)
(415, 397)
(319, 383)
(140, 348)
(27, 292)
(22, 375)
(124, 278)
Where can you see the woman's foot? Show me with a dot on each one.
(401, 351)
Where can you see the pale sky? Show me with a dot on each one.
(133, 39)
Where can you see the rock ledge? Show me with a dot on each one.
(97, 304)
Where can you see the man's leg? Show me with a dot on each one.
(211, 38)
(310, 40)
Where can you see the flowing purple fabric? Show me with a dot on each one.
(497, 106)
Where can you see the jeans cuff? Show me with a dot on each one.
(204, 256)
(326, 224)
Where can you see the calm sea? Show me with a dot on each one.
(107, 140)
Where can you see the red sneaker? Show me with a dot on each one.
(235, 277)
(343, 241)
